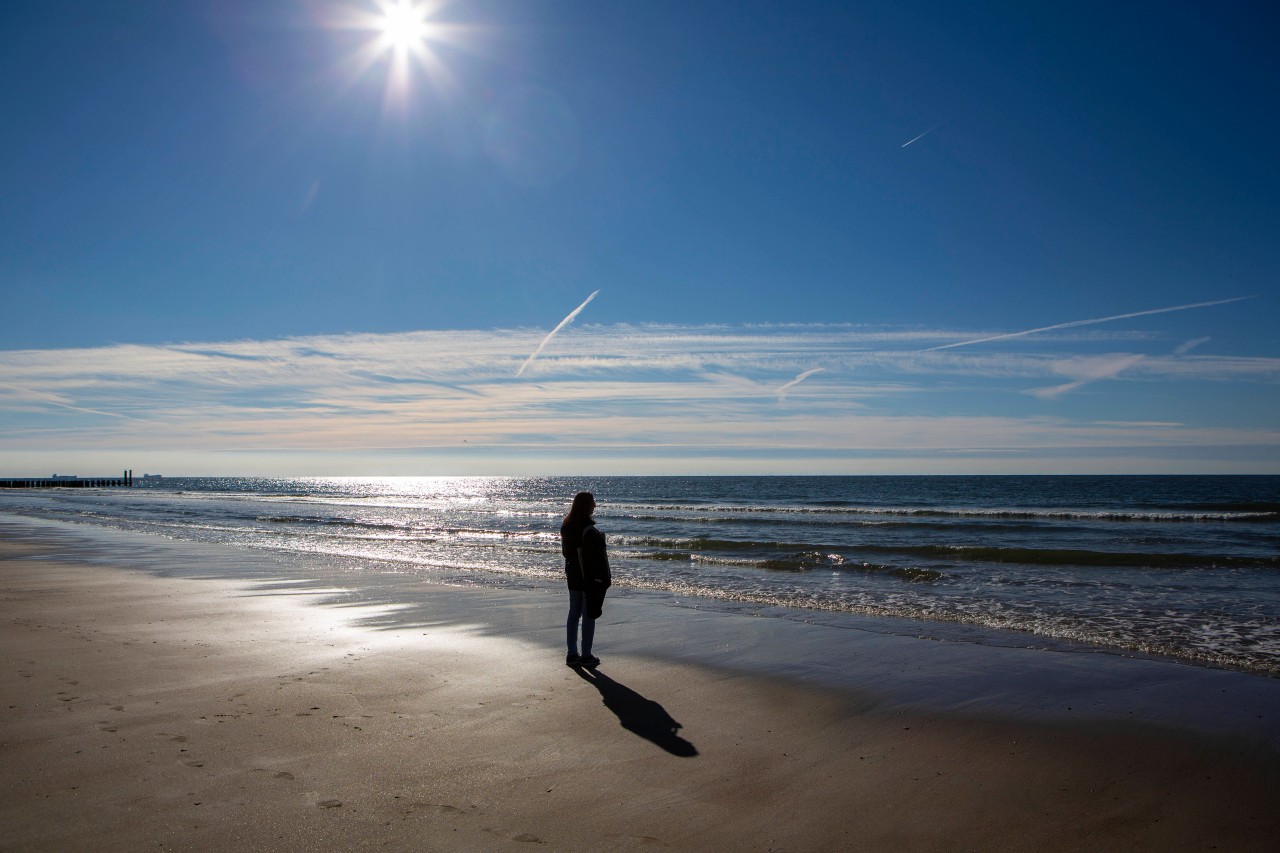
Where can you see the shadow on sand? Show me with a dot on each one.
(639, 715)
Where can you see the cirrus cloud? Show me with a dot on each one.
(706, 395)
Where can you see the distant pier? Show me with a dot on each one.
(68, 481)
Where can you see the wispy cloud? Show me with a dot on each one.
(566, 321)
(1087, 370)
(1075, 323)
(782, 392)
(706, 391)
(61, 402)
(1190, 345)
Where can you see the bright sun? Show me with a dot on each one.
(403, 26)
(399, 38)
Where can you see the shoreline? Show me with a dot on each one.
(904, 663)
(144, 709)
(1139, 571)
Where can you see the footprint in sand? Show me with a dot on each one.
(282, 774)
(439, 808)
(524, 836)
(642, 840)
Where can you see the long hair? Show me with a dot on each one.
(584, 504)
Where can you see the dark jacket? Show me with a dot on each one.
(586, 558)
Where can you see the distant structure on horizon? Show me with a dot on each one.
(65, 481)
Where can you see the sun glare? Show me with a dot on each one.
(398, 38)
(403, 25)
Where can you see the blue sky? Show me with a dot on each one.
(239, 237)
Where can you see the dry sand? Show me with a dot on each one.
(160, 713)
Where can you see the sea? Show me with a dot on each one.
(1181, 567)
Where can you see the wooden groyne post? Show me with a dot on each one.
(125, 480)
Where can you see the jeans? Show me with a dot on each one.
(577, 599)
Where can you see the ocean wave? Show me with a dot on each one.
(806, 561)
(1228, 513)
(1235, 507)
(1226, 640)
(1077, 557)
(300, 519)
(781, 519)
(969, 553)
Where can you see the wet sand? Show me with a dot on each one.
(171, 713)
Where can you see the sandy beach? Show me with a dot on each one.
(175, 713)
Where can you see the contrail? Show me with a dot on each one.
(1091, 322)
(566, 321)
(921, 136)
(58, 401)
(782, 392)
(310, 197)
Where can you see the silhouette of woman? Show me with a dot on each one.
(586, 569)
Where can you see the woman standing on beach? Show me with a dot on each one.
(586, 568)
